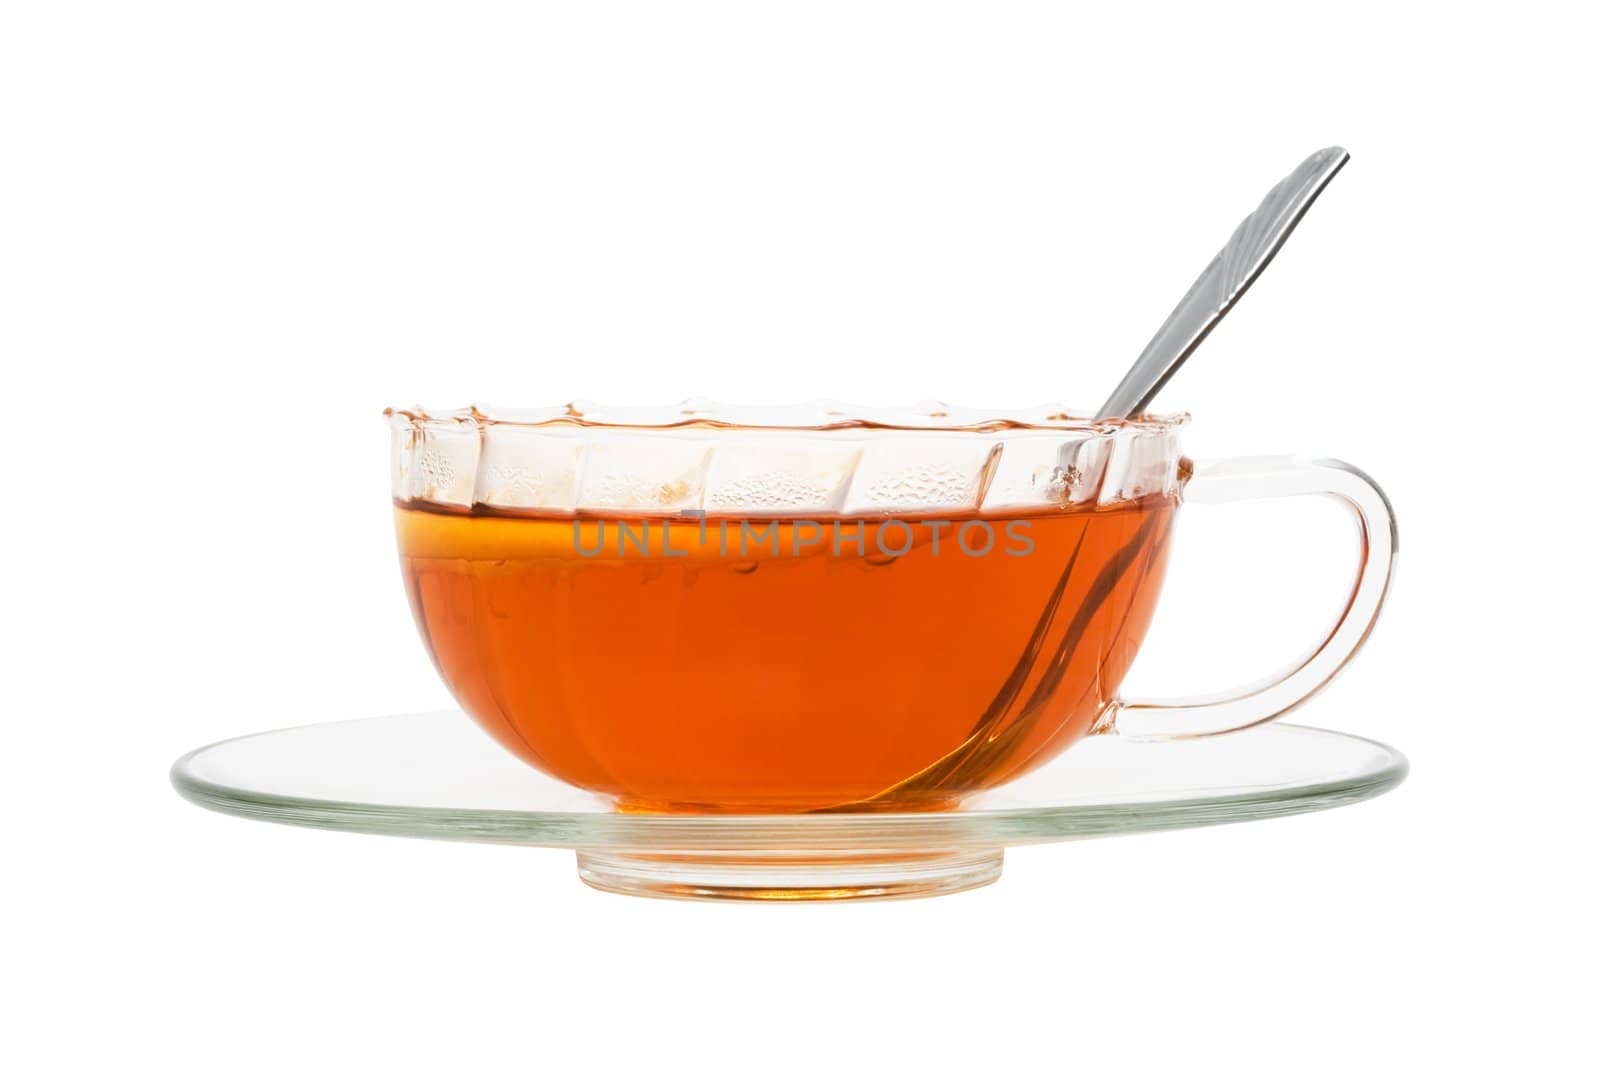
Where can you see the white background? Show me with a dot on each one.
(230, 234)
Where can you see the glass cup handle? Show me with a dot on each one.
(1258, 478)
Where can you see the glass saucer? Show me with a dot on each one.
(437, 776)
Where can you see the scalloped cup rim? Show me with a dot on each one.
(824, 415)
(798, 460)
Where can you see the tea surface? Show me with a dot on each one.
(792, 665)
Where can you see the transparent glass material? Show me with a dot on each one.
(436, 776)
(821, 609)
(821, 460)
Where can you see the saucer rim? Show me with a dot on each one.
(832, 831)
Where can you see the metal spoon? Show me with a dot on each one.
(1221, 284)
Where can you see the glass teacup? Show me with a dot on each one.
(819, 608)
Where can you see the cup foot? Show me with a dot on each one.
(789, 876)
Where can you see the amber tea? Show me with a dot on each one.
(695, 664)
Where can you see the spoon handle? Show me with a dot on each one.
(1223, 282)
